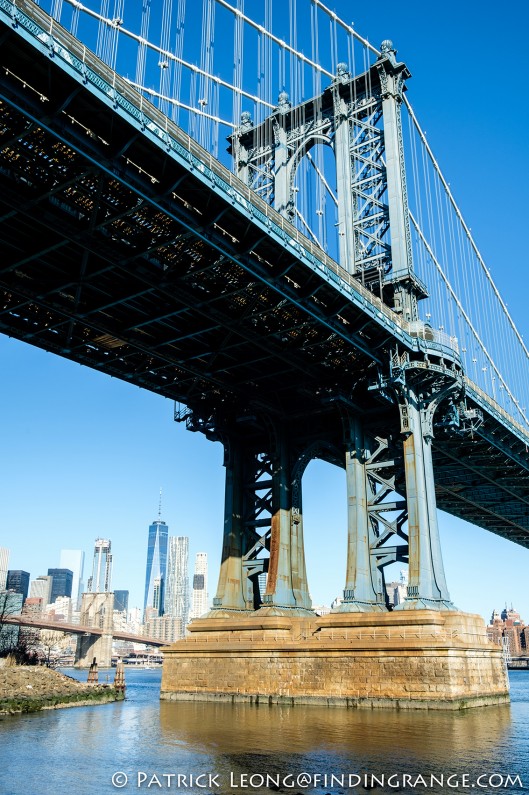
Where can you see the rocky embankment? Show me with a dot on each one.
(32, 688)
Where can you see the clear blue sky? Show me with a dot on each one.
(85, 455)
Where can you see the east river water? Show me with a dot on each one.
(146, 745)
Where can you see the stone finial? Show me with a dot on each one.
(342, 72)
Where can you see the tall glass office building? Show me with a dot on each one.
(199, 601)
(62, 583)
(177, 582)
(121, 601)
(18, 581)
(100, 581)
(156, 570)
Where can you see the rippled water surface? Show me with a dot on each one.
(224, 748)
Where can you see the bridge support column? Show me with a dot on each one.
(231, 591)
(344, 180)
(283, 197)
(362, 592)
(262, 514)
(286, 588)
(426, 583)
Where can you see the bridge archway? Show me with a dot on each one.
(313, 203)
(325, 529)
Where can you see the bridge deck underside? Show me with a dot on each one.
(484, 480)
(118, 257)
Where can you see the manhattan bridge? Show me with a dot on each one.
(234, 206)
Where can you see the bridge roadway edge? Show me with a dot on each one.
(423, 659)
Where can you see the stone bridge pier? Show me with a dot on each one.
(261, 641)
(96, 611)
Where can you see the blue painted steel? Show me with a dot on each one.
(360, 592)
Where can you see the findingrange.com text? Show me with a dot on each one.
(315, 781)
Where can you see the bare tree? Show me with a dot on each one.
(10, 605)
(26, 650)
(48, 644)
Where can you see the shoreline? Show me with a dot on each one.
(29, 689)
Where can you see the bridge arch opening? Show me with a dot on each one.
(325, 530)
(313, 185)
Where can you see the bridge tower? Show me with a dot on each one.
(392, 513)
(359, 119)
(96, 611)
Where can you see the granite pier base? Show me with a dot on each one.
(416, 659)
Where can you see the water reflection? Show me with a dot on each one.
(211, 727)
(78, 750)
(241, 739)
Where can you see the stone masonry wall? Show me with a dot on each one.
(384, 664)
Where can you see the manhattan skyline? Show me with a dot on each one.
(86, 454)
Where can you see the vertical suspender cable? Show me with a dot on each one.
(56, 10)
(238, 61)
(179, 50)
(74, 24)
(142, 47)
(101, 29)
(165, 66)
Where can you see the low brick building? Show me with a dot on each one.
(509, 625)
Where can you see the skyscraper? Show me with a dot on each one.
(18, 581)
(158, 596)
(121, 601)
(62, 583)
(177, 582)
(156, 561)
(41, 589)
(101, 577)
(73, 559)
(199, 602)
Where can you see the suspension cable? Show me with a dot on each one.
(464, 314)
(143, 41)
(267, 33)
